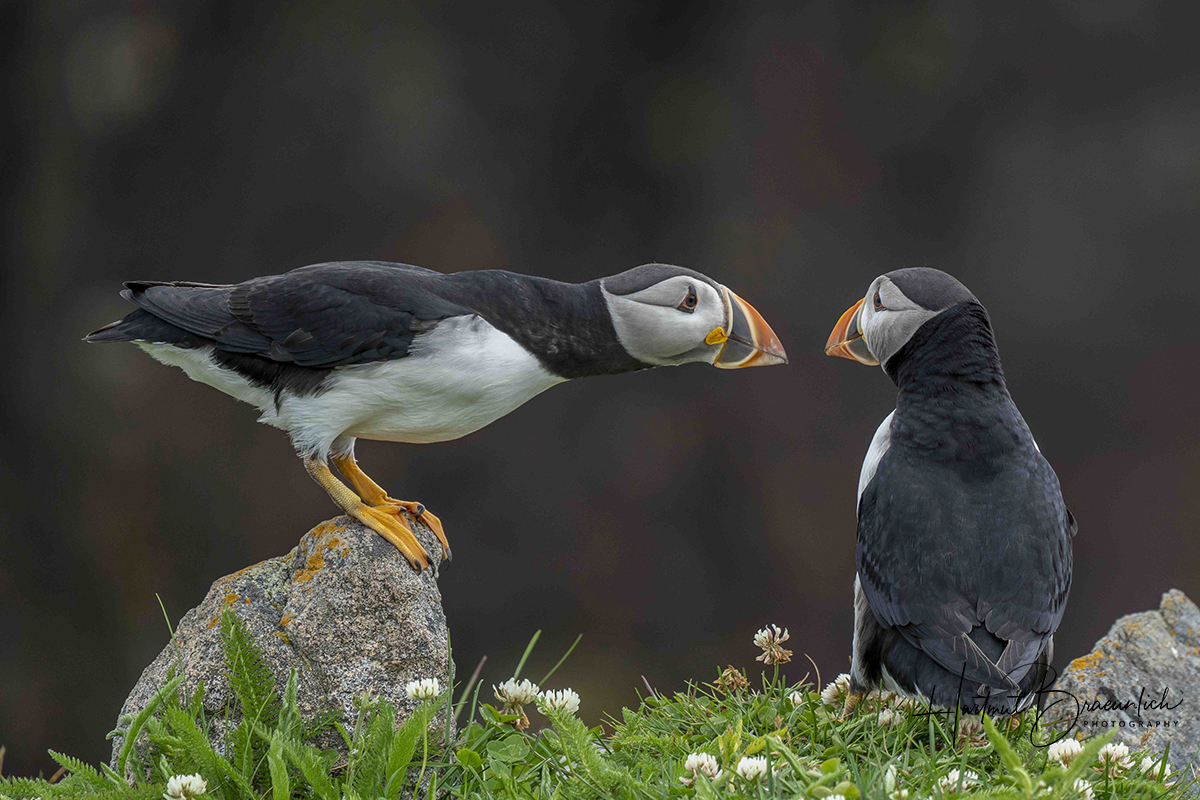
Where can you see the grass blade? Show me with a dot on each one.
(554, 669)
(528, 649)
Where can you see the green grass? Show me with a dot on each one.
(810, 751)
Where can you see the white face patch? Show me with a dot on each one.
(885, 330)
(665, 324)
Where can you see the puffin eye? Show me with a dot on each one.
(689, 302)
(878, 302)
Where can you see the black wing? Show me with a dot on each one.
(944, 560)
(322, 316)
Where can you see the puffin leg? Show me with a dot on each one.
(852, 701)
(375, 496)
(389, 525)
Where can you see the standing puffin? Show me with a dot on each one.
(964, 543)
(339, 351)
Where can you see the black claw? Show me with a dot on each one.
(446, 552)
(420, 509)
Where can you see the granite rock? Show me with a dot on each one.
(343, 608)
(1141, 679)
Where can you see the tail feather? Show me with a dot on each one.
(142, 326)
(199, 308)
(181, 313)
(112, 332)
(141, 286)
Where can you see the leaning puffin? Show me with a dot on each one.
(335, 352)
(964, 542)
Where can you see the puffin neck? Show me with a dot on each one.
(957, 346)
(566, 326)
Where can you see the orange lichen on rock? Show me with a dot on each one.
(1087, 662)
(243, 570)
(327, 527)
(230, 599)
(287, 617)
(316, 559)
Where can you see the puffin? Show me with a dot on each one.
(963, 548)
(340, 351)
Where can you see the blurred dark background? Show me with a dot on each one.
(1046, 154)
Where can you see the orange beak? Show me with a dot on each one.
(846, 340)
(749, 342)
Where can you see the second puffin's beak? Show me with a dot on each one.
(846, 340)
(748, 339)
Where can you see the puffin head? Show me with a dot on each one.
(895, 307)
(666, 315)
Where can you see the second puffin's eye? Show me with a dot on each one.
(878, 302)
(689, 302)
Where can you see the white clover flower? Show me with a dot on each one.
(889, 778)
(702, 762)
(1084, 788)
(753, 768)
(513, 693)
(796, 698)
(423, 689)
(183, 786)
(886, 718)
(731, 680)
(1113, 758)
(563, 700)
(1150, 766)
(950, 782)
(1064, 751)
(969, 727)
(889, 784)
(698, 763)
(835, 797)
(771, 640)
(769, 635)
(838, 687)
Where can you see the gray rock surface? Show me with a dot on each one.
(1121, 684)
(343, 607)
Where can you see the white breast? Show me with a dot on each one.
(459, 377)
(880, 443)
(199, 365)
